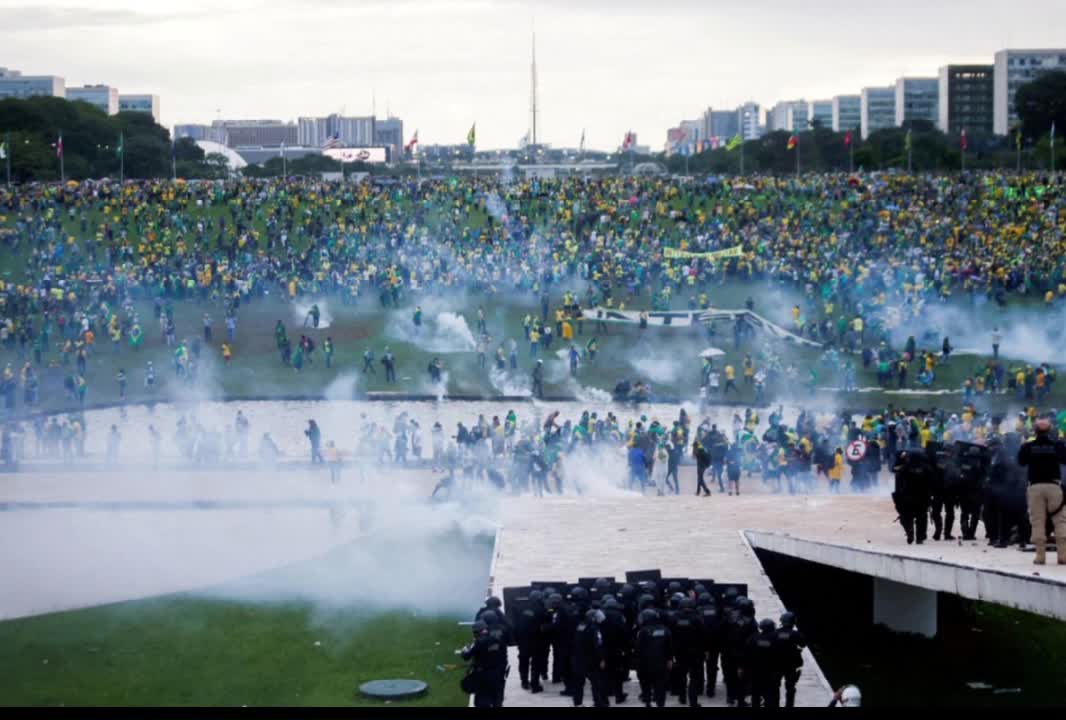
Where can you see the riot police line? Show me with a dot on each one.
(674, 632)
(1014, 488)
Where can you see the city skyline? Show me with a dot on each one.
(603, 67)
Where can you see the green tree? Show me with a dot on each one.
(1042, 102)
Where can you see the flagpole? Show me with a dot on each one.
(1052, 151)
(121, 158)
(797, 154)
(851, 156)
(7, 155)
(1018, 148)
(62, 169)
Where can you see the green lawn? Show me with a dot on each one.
(219, 650)
(669, 357)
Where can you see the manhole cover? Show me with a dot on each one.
(393, 689)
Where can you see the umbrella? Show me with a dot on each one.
(712, 352)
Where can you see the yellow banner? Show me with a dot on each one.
(673, 254)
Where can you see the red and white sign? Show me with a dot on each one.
(856, 450)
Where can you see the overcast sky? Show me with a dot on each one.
(604, 65)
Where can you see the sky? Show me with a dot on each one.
(604, 66)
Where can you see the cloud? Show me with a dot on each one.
(33, 17)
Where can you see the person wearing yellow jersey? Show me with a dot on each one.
(926, 435)
(836, 471)
(730, 380)
(749, 370)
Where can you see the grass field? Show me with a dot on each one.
(668, 357)
(217, 649)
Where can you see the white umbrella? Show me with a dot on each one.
(712, 352)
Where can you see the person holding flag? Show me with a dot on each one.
(581, 145)
(410, 147)
(793, 144)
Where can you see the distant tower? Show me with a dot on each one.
(533, 92)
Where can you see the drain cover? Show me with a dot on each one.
(393, 689)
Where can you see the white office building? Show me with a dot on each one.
(1014, 68)
(748, 118)
(917, 99)
(878, 109)
(790, 115)
(14, 84)
(142, 103)
(350, 131)
(847, 112)
(820, 111)
(104, 97)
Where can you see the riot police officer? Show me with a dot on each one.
(790, 643)
(590, 660)
(973, 473)
(739, 629)
(762, 664)
(911, 497)
(529, 637)
(712, 620)
(654, 651)
(488, 667)
(561, 636)
(616, 638)
(943, 505)
(688, 652)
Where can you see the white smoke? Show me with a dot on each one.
(302, 308)
(447, 332)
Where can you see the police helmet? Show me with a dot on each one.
(579, 593)
(674, 587)
(766, 625)
(494, 602)
(555, 601)
(649, 615)
(645, 601)
(788, 619)
(595, 616)
(610, 603)
(536, 596)
(676, 599)
(705, 598)
(490, 618)
(731, 594)
(687, 603)
(628, 591)
(699, 589)
(603, 584)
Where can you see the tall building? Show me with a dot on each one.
(209, 133)
(129, 102)
(723, 124)
(311, 132)
(1013, 69)
(388, 133)
(14, 84)
(965, 99)
(820, 111)
(878, 109)
(104, 97)
(257, 133)
(917, 99)
(847, 112)
(748, 120)
(790, 115)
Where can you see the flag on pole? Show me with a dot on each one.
(59, 146)
(907, 142)
(3, 149)
(1018, 137)
(581, 146)
(411, 144)
(793, 141)
(471, 137)
(332, 141)
(627, 143)
(736, 142)
(847, 139)
(121, 147)
(962, 140)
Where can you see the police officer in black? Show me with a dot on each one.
(617, 639)
(762, 665)
(713, 621)
(590, 660)
(996, 514)
(945, 474)
(739, 629)
(973, 472)
(654, 651)
(529, 636)
(914, 475)
(688, 652)
(488, 666)
(561, 636)
(790, 643)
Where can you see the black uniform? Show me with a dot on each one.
(654, 653)
(562, 640)
(589, 662)
(713, 625)
(617, 640)
(740, 628)
(487, 673)
(688, 655)
(973, 472)
(942, 500)
(914, 478)
(529, 635)
(790, 643)
(762, 663)
(996, 513)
